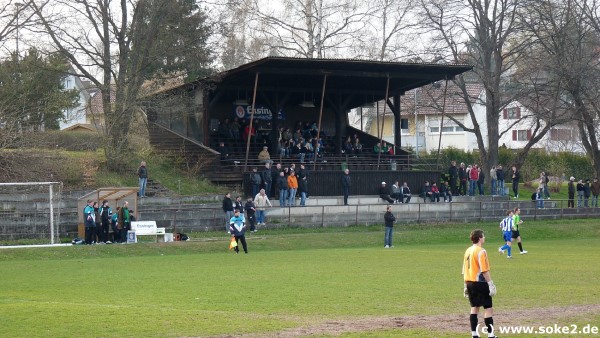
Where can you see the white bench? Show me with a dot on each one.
(148, 228)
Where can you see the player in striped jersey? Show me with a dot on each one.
(479, 287)
(507, 227)
(515, 233)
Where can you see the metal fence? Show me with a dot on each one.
(208, 218)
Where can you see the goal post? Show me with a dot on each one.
(30, 212)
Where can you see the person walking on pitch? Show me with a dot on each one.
(515, 233)
(506, 226)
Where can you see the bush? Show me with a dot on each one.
(64, 140)
(559, 166)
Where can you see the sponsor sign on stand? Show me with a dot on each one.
(260, 112)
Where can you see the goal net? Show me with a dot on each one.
(30, 213)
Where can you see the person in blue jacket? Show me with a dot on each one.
(237, 228)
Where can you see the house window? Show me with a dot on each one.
(521, 135)
(449, 129)
(561, 134)
(512, 113)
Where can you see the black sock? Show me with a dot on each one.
(489, 323)
(520, 246)
(473, 320)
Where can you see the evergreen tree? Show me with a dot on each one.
(32, 96)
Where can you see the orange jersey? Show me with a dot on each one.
(475, 263)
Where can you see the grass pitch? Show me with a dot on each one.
(298, 282)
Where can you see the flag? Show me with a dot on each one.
(233, 243)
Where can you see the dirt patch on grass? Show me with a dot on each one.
(441, 323)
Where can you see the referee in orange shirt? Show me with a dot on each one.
(479, 287)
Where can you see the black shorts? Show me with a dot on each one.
(479, 294)
(515, 234)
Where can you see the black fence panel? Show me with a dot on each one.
(329, 183)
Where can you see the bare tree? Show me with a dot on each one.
(390, 31)
(14, 16)
(118, 45)
(486, 34)
(567, 55)
(309, 28)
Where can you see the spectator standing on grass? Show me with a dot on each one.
(571, 193)
(506, 225)
(595, 192)
(587, 192)
(546, 187)
(114, 223)
(480, 181)
(124, 220)
(500, 176)
(237, 228)
(227, 209)
(453, 174)
(479, 287)
(515, 233)
(346, 183)
(389, 220)
(97, 238)
(89, 220)
(255, 180)
(515, 181)
(261, 200)
(580, 193)
(105, 216)
(474, 177)
(494, 181)
(250, 213)
(142, 173)
(542, 182)
(462, 176)
(538, 197)
(238, 204)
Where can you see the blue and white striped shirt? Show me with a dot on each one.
(507, 224)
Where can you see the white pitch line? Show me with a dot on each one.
(33, 246)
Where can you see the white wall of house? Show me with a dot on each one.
(427, 127)
(75, 115)
(558, 139)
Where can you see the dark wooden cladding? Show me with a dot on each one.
(329, 183)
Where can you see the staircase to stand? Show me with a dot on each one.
(196, 155)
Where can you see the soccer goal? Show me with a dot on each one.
(30, 212)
